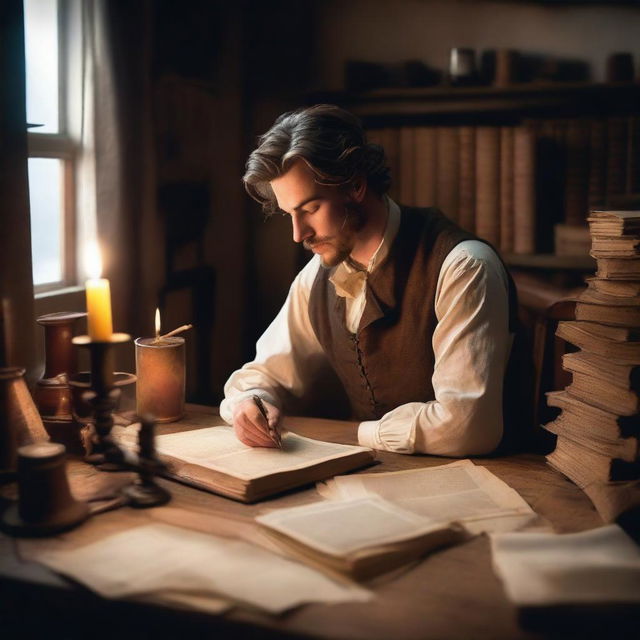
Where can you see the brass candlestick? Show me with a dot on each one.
(52, 393)
(102, 398)
(103, 451)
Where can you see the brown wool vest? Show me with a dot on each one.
(390, 360)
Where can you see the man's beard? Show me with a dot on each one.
(344, 241)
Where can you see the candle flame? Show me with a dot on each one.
(93, 260)
(157, 321)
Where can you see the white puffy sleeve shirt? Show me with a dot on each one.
(471, 344)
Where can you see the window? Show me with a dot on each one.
(51, 149)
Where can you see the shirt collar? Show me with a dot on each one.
(348, 277)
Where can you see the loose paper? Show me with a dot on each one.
(597, 566)
(162, 558)
(460, 491)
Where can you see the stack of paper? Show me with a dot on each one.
(458, 492)
(362, 537)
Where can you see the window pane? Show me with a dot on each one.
(41, 51)
(47, 216)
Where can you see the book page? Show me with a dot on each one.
(341, 528)
(218, 448)
(460, 491)
(597, 566)
(159, 558)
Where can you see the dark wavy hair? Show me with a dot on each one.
(329, 139)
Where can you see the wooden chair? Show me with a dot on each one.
(542, 305)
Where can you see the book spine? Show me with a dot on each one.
(467, 211)
(597, 164)
(406, 153)
(506, 190)
(603, 442)
(425, 167)
(447, 175)
(616, 156)
(577, 173)
(488, 184)
(633, 173)
(524, 204)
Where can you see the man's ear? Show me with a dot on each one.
(358, 189)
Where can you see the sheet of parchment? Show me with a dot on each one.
(597, 566)
(162, 558)
(460, 491)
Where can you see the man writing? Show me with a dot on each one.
(414, 315)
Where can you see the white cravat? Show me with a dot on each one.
(349, 280)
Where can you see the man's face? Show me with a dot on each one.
(324, 218)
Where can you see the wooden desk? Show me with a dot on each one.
(452, 593)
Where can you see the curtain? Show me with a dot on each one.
(17, 326)
(117, 168)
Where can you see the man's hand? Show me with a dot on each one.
(251, 427)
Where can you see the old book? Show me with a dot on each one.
(582, 335)
(595, 422)
(617, 159)
(618, 315)
(597, 162)
(577, 172)
(591, 295)
(212, 458)
(615, 246)
(601, 393)
(406, 154)
(624, 376)
(572, 240)
(331, 534)
(569, 426)
(488, 184)
(467, 204)
(447, 172)
(506, 190)
(614, 223)
(633, 168)
(611, 499)
(570, 454)
(425, 169)
(618, 268)
(391, 142)
(524, 199)
(621, 288)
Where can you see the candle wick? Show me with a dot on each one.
(184, 327)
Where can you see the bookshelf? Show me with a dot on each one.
(517, 164)
(434, 105)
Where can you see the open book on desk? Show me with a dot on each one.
(212, 458)
(361, 538)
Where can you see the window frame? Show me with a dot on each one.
(61, 146)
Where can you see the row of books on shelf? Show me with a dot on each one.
(512, 184)
(598, 429)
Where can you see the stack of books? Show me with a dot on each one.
(599, 424)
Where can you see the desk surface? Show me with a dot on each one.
(452, 593)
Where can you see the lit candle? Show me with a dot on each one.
(98, 299)
(157, 323)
